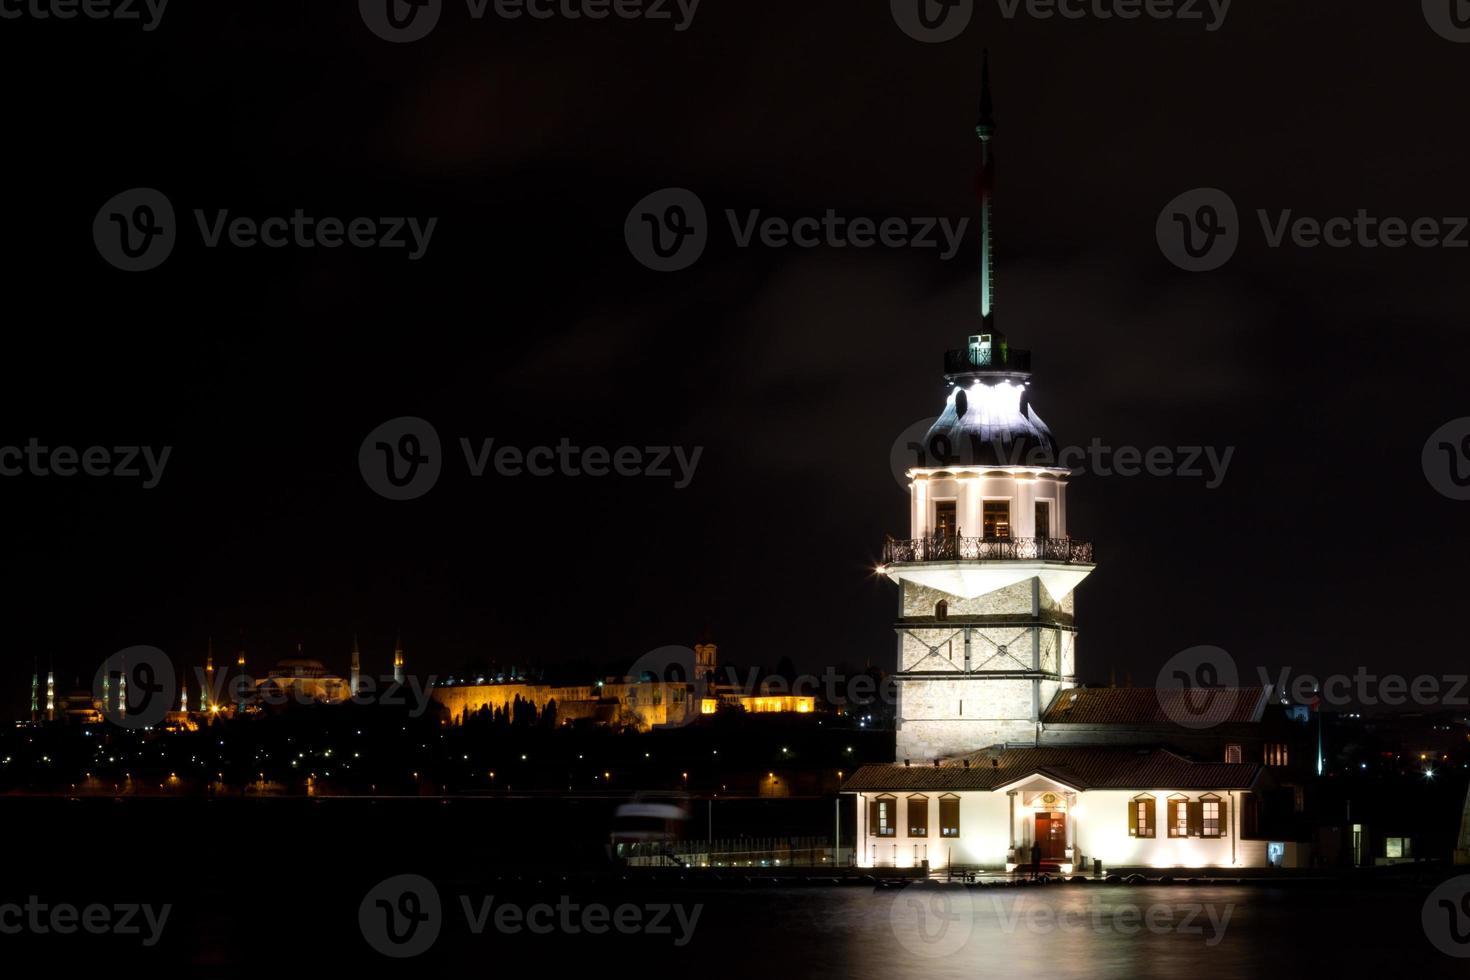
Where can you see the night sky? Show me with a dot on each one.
(528, 320)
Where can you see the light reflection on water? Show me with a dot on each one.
(1084, 932)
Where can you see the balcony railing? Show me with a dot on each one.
(949, 547)
(968, 360)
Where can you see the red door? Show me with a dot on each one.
(1051, 834)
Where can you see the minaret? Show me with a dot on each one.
(240, 663)
(398, 659)
(35, 691)
(206, 696)
(356, 685)
(50, 695)
(122, 691)
(986, 626)
(184, 694)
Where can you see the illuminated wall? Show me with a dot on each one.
(1097, 827)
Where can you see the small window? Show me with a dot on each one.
(1276, 754)
(941, 609)
(883, 816)
(1212, 816)
(997, 519)
(949, 816)
(1233, 753)
(1141, 816)
(1043, 519)
(944, 518)
(1178, 816)
(1397, 847)
(918, 807)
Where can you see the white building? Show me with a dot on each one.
(997, 748)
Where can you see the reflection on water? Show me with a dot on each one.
(1088, 931)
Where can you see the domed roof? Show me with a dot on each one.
(990, 425)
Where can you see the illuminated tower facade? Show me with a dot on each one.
(986, 627)
(50, 695)
(398, 660)
(35, 693)
(356, 679)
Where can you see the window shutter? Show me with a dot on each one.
(872, 818)
(1133, 806)
(1224, 820)
(1196, 814)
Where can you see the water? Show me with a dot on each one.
(282, 888)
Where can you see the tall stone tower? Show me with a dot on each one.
(356, 682)
(986, 631)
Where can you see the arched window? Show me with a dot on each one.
(1142, 816)
(941, 609)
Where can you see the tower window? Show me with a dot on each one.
(1043, 519)
(944, 518)
(941, 609)
(997, 519)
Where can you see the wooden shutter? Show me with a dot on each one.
(873, 818)
(1195, 811)
(1133, 817)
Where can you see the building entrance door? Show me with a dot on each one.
(1051, 834)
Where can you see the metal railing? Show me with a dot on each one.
(967, 360)
(949, 547)
(743, 852)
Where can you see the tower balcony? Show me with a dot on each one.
(952, 548)
(988, 360)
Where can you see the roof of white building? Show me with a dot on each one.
(1148, 705)
(1081, 768)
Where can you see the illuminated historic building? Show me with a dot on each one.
(634, 702)
(1000, 755)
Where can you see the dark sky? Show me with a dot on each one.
(529, 321)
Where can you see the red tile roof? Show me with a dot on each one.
(1084, 768)
(1148, 705)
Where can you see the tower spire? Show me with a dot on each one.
(985, 129)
